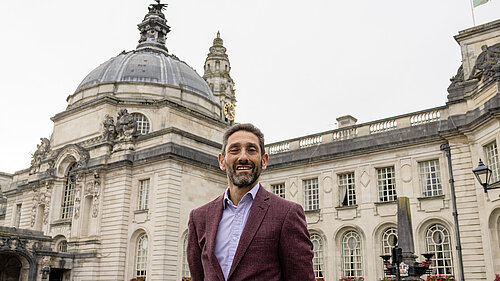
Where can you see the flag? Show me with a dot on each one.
(479, 2)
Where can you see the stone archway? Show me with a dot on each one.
(10, 267)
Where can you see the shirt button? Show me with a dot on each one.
(239, 214)
(234, 238)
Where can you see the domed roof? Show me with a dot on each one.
(150, 62)
(147, 66)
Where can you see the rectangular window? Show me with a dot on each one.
(143, 195)
(386, 183)
(430, 178)
(492, 155)
(347, 191)
(311, 195)
(278, 189)
(17, 217)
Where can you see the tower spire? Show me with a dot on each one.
(217, 69)
(153, 29)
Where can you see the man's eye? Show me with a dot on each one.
(233, 150)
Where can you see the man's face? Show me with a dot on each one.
(243, 161)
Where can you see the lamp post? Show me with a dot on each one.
(483, 175)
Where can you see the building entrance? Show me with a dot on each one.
(10, 267)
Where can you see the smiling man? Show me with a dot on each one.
(248, 233)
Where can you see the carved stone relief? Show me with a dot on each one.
(41, 152)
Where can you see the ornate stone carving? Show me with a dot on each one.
(487, 63)
(41, 152)
(77, 208)
(125, 125)
(109, 133)
(41, 197)
(93, 189)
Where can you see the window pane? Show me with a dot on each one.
(185, 267)
(318, 255)
(69, 193)
(278, 189)
(430, 178)
(492, 155)
(141, 256)
(347, 189)
(386, 182)
(311, 194)
(438, 242)
(142, 123)
(352, 264)
(143, 195)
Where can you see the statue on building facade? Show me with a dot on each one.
(125, 125)
(41, 152)
(487, 63)
(109, 133)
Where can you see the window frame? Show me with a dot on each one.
(141, 122)
(141, 256)
(319, 256)
(68, 194)
(350, 191)
(311, 194)
(348, 259)
(436, 188)
(281, 191)
(386, 192)
(446, 254)
(143, 195)
(493, 164)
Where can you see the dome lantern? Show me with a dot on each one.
(154, 28)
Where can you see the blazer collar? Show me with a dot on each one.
(257, 213)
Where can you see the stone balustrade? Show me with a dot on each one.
(369, 128)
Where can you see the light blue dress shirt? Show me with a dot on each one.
(230, 228)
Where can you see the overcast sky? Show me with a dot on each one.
(297, 65)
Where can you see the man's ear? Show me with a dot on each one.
(222, 163)
(265, 159)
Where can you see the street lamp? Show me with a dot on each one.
(483, 175)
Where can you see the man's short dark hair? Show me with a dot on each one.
(243, 127)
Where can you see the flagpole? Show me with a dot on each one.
(472, 10)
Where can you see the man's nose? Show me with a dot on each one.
(243, 155)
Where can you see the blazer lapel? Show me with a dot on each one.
(257, 213)
(213, 218)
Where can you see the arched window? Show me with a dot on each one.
(142, 123)
(69, 193)
(141, 256)
(352, 264)
(185, 267)
(317, 242)
(389, 236)
(437, 239)
(62, 246)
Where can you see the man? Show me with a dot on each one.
(248, 233)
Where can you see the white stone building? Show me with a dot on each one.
(108, 196)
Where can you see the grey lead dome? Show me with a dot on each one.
(147, 66)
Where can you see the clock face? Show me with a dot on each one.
(229, 111)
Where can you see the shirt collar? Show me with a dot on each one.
(252, 192)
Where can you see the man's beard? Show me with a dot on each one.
(245, 179)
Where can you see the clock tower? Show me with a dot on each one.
(217, 69)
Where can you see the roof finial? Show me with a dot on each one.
(154, 28)
(218, 34)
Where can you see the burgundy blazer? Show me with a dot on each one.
(274, 245)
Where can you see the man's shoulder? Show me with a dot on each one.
(280, 202)
(204, 208)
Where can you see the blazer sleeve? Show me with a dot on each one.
(193, 251)
(295, 247)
